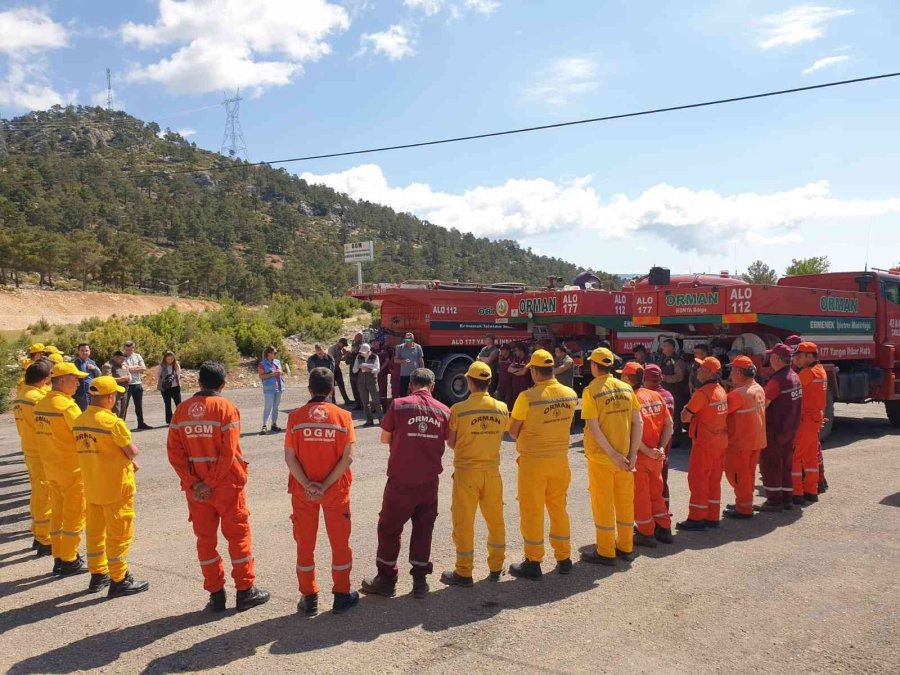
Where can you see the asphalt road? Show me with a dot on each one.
(810, 591)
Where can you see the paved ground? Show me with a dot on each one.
(815, 591)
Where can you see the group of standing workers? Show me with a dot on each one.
(629, 423)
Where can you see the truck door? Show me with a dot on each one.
(890, 291)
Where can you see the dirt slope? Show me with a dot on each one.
(23, 307)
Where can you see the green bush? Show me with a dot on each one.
(112, 335)
(319, 328)
(209, 347)
(39, 326)
(252, 335)
(9, 371)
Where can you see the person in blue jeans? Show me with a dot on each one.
(271, 376)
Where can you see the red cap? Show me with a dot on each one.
(742, 362)
(631, 368)
(807, 348)
(792, 340)
(782, 351)
(711, 363)
(652, 368)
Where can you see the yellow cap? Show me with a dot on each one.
(541, 359)
(603, 356)
(105, 384)
(479, 370)
(25, 363)
(54, 358)
(51, 349)
(66, 368)
(36, 348)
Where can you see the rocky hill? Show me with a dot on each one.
(113, 202)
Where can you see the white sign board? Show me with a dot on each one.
(361, 251)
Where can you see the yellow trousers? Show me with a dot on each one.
(66, 517)
(471, 489)
(544, 483)
(40, 499)
(110, 531)
(612, 503)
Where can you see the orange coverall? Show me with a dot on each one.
(204, 445)
(318, 434)
(805, 467)
(649, 506)
(746, 439)
(709, 435)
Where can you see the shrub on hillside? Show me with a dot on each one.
(112, 335)
(252, 335)
(209, 347)
(318, 328)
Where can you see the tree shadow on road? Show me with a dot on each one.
(45, 609)
(8, 588)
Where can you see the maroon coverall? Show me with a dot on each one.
(782, 421)
(419, 425)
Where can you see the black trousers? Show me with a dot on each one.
(339, 384)
(170, 396)
(134, 392)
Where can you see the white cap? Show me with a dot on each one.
(364, 348)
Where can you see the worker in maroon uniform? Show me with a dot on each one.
(675, 379)
(518, 369)
(415, 427)
(504, 377)
(653, 382)
(784, 400)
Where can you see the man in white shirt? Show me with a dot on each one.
(134, 362)
(366, 366)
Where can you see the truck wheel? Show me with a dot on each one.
(453, 386)
(893, 412)
(829, 415)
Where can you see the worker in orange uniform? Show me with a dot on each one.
(613, 431)
(318, 450)
(746, 435)
(805, 464)
(106, 458)
(541, 419)
(204, 449)
(37, 375)
(477, 426)
(651, 515)
(707, 414)
(54, 417)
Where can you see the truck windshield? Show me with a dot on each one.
(891, 292)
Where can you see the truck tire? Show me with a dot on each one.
(453, 387)
(893, 412)
(829, 416)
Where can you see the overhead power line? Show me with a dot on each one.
(544, 127)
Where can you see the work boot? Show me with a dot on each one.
(344, 601)
(564, 566)
(98, 583)
(823, 486)
(787, 506)
(368, 424)
(527, 569)
(309, 605)
(275, 429)
(252, 597)
(264, 430)
(595, 558)
(769, 506)
(627, 556)
(379, 586)
(663, 534)
(730, 507)
(57, 566)
(217, 601)
(712, 524)
(143, 427)
(798, 500)
(810, 498)
(76, 566)
(420, 587)
(735, 515)
(641, 539)
(128, 586)
(43, 550)
(34, 544)
(691, 525)
(451, 578)
(495, 576)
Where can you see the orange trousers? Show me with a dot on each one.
(705, 482)
(649, 505)
(336, 507)
(226, 507)
(805, 466)
(740, 470)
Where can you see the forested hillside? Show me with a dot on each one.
(97, 197)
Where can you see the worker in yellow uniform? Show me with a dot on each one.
(541, 418)
(36, 376)
(106, 458)
(35, 352)
(477, 426)
(613, 429)
(54, 417)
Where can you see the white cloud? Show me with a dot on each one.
(395, 43)
(430, 7)
(27, 85)
(235, 43)
(826, 62)
(804, 23)
(689, 220)
(564, 80)
(27, 29)
(485, 7)
(186, 132)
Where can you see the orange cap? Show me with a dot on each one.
(807, 348)
(631, 368)
(711, 363)
(743, 362)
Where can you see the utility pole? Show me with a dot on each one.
(4, 153)
(233, 143)
(109, 98)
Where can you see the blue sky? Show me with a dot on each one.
(812, 174)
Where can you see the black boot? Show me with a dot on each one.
(641, 539)
(451, 578)
(420, 587)
(810, 498)
(76, 566)
(691, 525)
(250, 598)
(128, 586)
(98, 583)
(309, 605)
(594, 558)
(34, 544)
(663, 534)
(57, 566)
(379, 586)
(43, 550)
(527, 569)
(217, 601)
(495, 576)
(798, 500)
(344, 601)
(564, 566)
